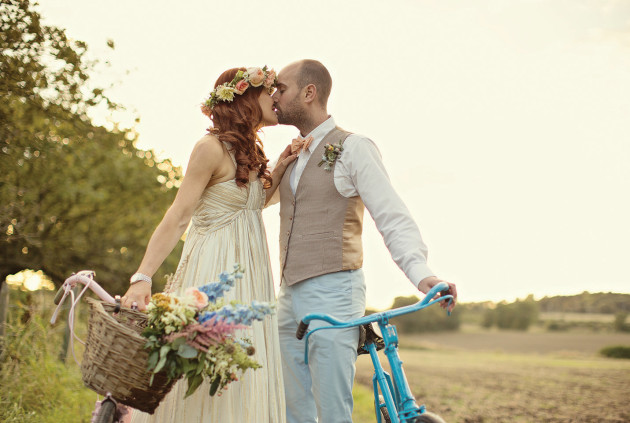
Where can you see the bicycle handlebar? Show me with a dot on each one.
(383, 315)
(84, 277)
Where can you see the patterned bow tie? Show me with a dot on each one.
(299, 144)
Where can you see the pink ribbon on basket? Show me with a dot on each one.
(68, 287)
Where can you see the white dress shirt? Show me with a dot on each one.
(359, 171)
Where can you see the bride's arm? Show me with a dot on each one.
(278, 171)
(204, 161)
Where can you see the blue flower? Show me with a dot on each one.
(244, 315)
(214, 290)
(206, 315)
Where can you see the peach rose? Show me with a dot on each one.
(256, 76)
(241, 86)
(271, 77)
(201, 299)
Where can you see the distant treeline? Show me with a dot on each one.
(517, 315)
(586, 302)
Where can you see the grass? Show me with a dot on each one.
(475, 376)
(492, 385)
(42, 389)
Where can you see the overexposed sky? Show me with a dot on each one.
(504, 124)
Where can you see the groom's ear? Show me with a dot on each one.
(310, 93)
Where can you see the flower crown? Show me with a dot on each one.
(252, 76)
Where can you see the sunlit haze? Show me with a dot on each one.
(504, 125)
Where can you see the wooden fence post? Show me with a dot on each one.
(4, 309)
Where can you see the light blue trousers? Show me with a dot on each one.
(323, 388)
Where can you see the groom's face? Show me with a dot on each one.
(289, 108)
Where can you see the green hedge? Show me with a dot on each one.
(616, 351)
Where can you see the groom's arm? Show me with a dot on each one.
(361, 172)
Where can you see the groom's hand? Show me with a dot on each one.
(427, 283)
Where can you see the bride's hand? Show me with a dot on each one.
(285, 159)
(140, 292)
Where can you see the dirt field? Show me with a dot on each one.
(513, 378)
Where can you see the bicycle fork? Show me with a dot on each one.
(400, 403)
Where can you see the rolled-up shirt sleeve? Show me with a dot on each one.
(360, 171)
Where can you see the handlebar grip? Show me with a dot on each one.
(301, 330)
(58, 296)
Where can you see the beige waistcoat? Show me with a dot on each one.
(320, 230)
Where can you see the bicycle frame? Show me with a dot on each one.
(397, 395)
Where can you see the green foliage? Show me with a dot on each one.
(518, 315)
(72, 195)
(430, 319)
(620, 324)
(617, 351)
(586, 302)
(42, 389)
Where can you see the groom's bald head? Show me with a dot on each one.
(302, 95)
(309, 71)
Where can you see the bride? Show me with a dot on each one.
(223, 193)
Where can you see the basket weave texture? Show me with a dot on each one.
(115, 359)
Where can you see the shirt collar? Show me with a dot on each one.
(320, 132)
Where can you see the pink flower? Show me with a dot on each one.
(206, 110)
(256, 76)
(201, 299)
(241, 86)
(271, 78)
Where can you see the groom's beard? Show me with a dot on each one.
(293, 115)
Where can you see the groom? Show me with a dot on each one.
(321, 220)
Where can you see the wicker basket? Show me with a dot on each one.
(115, 359)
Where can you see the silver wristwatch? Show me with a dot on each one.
(137, 277)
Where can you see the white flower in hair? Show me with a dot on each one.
(225, 93)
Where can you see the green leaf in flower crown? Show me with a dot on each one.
(186, 351)
(215, 385)
(193, 384)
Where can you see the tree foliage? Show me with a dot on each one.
(518, 315)
(73, 195)
(601, 302)
(430, 319)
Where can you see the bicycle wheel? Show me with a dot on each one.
(384, 412)
(429, 418)
(106, 413)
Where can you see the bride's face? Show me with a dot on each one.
(269, 117)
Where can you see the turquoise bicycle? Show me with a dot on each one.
(395, 403)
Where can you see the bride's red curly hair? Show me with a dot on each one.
(238, 122)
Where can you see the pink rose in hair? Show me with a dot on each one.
(241, 86)
(256, 76)
(206, 110)
(201, 299)
(271, 77)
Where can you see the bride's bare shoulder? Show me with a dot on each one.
(209, 146)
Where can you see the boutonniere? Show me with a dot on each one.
(331, 154)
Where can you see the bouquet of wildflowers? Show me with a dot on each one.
(194, 335)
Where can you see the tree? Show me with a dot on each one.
(73, 195)
(518, 315)
(430, 319)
